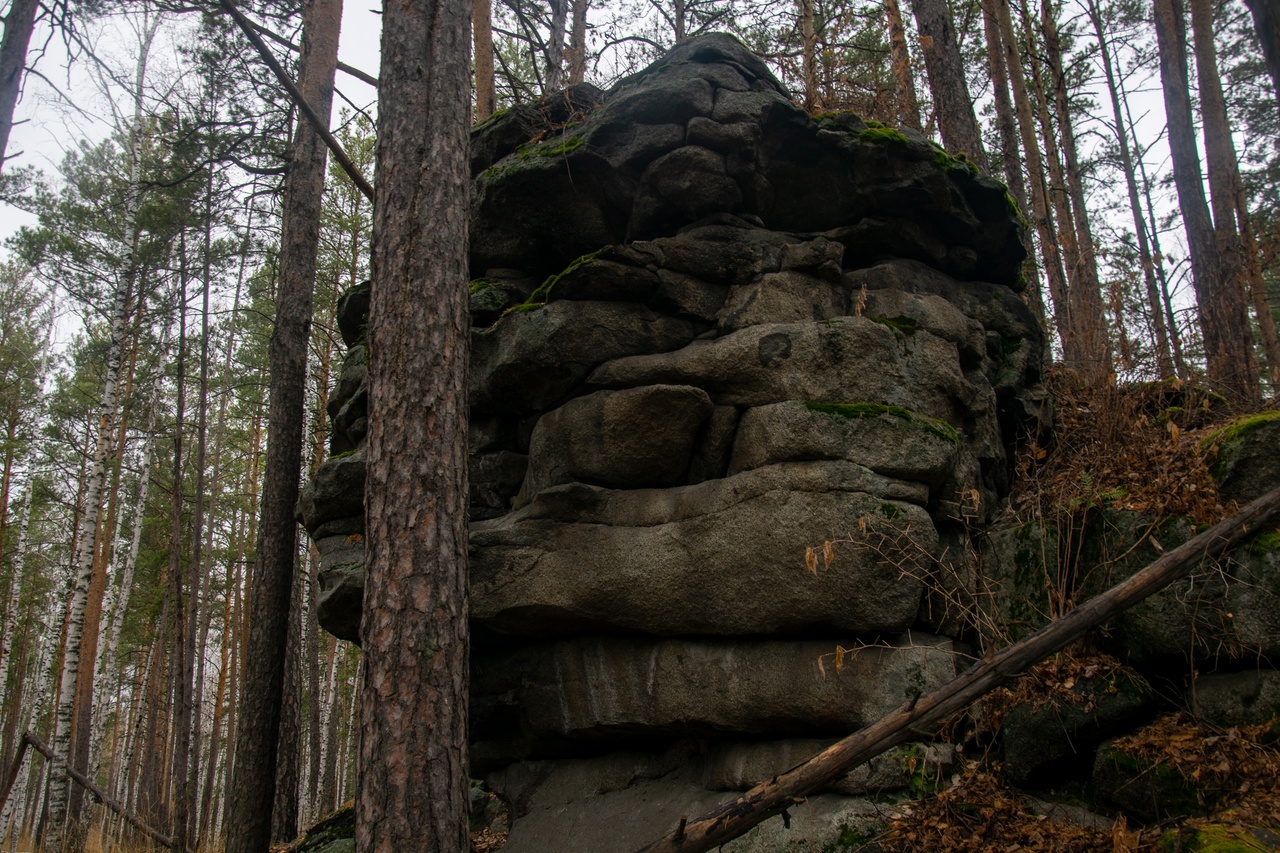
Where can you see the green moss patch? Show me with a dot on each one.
(940, 428)
(878, 133)
(906, 325)
(1238, 428)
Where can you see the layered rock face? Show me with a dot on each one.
(711, 333)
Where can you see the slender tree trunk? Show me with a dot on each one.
(258, 726)
(809, 56)
(1006, 123)
(1050, 250)
(413, 785)
(577, 44)
(951, 102)
(1164, 357)
(482, 27)
(284, 814)
(555, 46)
(1086, 293)
(904, 81)
(18, 26)
(1228, 342)
(1224, 183)
(181, 626)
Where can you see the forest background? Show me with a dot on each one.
(138, 291)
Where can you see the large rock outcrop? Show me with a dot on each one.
(711, 333)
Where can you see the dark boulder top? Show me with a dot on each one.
(706, 131)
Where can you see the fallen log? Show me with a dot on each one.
(729, 820)
(100, 795)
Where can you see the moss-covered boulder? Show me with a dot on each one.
(1244, 456)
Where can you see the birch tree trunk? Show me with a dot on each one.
(412, 772)
(555, 46)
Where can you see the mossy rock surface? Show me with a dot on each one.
(1219, 838)
(334, 834)
(1244, 456)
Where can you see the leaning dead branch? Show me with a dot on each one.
(729, 820)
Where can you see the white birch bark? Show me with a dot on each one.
(59, 785)
(15, 589)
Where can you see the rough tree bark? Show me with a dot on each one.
(904, 81)
(412, 770)
(577, 44)
(1228, 341)
(809, 57)
(482, 28)
(1230, 216)
(18, 26)
(1050, 251)
(1266, 21)
(252, 789)
(1086, 293)
(555, 46)
(942, 62)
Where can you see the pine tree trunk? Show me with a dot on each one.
(1049, 247)
(284, 813)
(252, 789)
(1224, 184)
(18, 26)
(809, 56)
(951, 102)
(482, 26)
(1266, 21)
(1164, 356)
(1228, 342)
(1006, 123)
(904, 81)
(413, 786)
(1086, 293)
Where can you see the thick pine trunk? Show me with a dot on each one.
(413, 786)
(951, 102)
(259, 698)
(1266, 21)
(1228, 342)
(18, 26)
(1230, 214)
